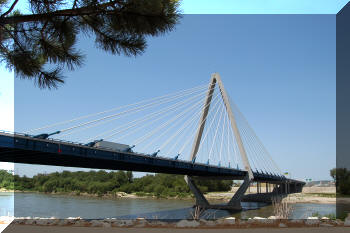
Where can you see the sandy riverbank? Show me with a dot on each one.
(320, 195)
(2, 190)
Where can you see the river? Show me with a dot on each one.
(63, 206)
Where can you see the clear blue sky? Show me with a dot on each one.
(279, 70)
(254, 6)
(263, 6)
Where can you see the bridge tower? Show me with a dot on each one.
(235, 202)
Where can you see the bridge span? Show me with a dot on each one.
(230, 136)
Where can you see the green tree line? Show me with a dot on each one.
(102, 182)
(341, 177)
(6, 180)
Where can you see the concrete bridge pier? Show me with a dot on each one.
(233, 204)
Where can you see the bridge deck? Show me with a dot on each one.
(25, 149)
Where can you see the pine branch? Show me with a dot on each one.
(89, 10)
(9, 10)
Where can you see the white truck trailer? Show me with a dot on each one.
(113, 145)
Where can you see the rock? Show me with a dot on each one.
(339, 222)
(81, 223)
(19, 221)
(207, 222)
(326, 225)
(312, 221)
(68, 221)
(43, 222)
(65, 222)
(347, 222)
(158, 223)
(140, 222)
(230, 220)
(261, 220)
(219, 221)
(297, 221)
(122, 223)
(106, 224)
(282, 225)
(96, 223)
(222, 221)
(29, 222)
(187, 223)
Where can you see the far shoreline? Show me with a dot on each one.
(302, 198)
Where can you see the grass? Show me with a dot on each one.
(330, 216)
(343, 195)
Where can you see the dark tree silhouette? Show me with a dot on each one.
(341, 176)
(39, 45)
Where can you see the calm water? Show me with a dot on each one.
(60, 206)
(6, 204)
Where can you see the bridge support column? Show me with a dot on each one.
(200, 199)
(235, 202)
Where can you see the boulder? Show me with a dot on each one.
(82, 223)
(312, 221)
(140, 222)
(230, 220)
(187, 223)
(158, 223)
(282, 225)
(96, 223)
(204, 222)
(347, 221)
(106, 224)
(122, 223)
(326, 225)
(29, 222)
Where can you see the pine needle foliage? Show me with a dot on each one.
(38, 46)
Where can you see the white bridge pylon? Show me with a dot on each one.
(215, 79)
(201, 201)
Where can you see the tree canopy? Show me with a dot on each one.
(341, 176)
(102, 182)
(41, 44)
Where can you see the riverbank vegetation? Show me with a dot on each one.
(6, 180)
(104, 183)
(341, 177)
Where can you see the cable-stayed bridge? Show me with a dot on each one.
(198, 132)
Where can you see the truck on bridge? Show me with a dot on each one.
(111, 145)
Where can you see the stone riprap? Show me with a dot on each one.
(229, 222)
